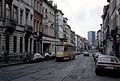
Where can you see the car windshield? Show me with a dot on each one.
(60, 48)
(108, 59)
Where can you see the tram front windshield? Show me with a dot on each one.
(60, 48)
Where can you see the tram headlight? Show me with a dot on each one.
(59, 54)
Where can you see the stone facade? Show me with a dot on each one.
(33, 26)
(14, 27)
(49, 39)
(110, 28)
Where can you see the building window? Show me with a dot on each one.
(27, 15)
(0, 8)
(21, 44)
(41, 9)
(46, 11)
(15, 13)
(35, 44)
(21, 16)
(46, 29)
(34, 25)
(40, 29)
(26, 44)
(37, 6)
(14, 43)
(37, 26)
(30, 45)
(8, 11)
(31, 18)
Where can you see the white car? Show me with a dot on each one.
(107, 63)
(86, 53)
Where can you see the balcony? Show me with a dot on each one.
(28, 30)
(10, 25)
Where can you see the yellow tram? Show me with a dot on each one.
(65, 51)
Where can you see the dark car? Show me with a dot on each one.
(34, 57)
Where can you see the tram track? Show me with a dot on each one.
(4, 76)
(67, 76)
(43, 69)
(54, 67)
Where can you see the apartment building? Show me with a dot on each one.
(16, 26)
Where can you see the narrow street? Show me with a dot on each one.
(80, 69)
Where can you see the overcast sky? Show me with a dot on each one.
(83, 15)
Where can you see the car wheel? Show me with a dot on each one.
(59, 59)
(27, 61)
(74, 57)
(97, 71)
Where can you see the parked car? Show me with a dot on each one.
(107, 63)
(86, 53)
(52, 55)
(47, 56)
(34, 57)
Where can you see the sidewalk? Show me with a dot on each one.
(10, 63)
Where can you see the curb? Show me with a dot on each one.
(5, 65)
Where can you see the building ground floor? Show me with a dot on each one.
(112, 48)
(20, 42)
(15, 43)
(49, 45)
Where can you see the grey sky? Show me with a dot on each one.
(83, 15)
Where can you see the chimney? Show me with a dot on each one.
(51, 2)
(55, 6)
